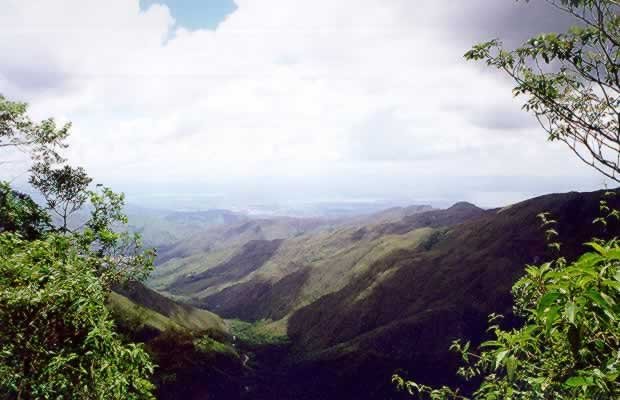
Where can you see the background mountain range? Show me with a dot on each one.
(353, 298)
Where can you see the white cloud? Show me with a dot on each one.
(282, 88)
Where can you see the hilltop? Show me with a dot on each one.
(363, 297)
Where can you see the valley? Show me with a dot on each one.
(331, 308)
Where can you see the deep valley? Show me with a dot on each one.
(325, 309)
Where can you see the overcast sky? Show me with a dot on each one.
(323, 98)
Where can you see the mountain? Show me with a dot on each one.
(270, 278)
(389, 215)
(160, 228)
(433, 295)
(217, 244)
(193, 349)
(361, 299)
(135, 300)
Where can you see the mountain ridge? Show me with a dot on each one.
(395, 293)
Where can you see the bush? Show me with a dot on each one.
(56, 337)
(569, 346)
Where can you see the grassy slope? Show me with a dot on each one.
(190, 255)
(192, 348)
(146, 306)
(165, 274)
(359, 301)
(310, 265)
(303, 268)
(160, 227)
(432, 295)
(216, 245)
(121, 305)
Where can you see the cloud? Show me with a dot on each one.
(282, 89)
(512, 21)
(502, 119)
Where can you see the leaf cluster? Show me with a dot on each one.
(569, 346)
(41, 141)
(571, 80)
(56, 337)
(20, 214)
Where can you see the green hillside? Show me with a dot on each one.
(193, 348)
(268, 279)
(364, 297)
(145, 306)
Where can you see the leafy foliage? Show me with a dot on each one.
(41, 141)
(20, 214)
(569, 346)
(571, 80)
(117, 256)
(56, 337)
(64, 188)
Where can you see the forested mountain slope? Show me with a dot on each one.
(359, 301)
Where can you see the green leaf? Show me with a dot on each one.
(547, 300)
(551, 317)
(577, 381)
(500, 357)
(598, 299)
(511, 367)
(599, 249)
(571, 311)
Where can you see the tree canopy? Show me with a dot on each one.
(569, 345)
(571, 80)
(57, 339)
(40, 140)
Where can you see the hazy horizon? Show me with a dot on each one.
(280, 102)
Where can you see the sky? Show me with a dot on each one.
(195, 14)
(282, 100)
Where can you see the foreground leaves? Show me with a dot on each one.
(571, 80)
(56, 337)
(569, 346)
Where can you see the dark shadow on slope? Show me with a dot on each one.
(251, 257)
(255, 300)
(434, 295)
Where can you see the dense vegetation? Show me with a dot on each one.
(75, 320)
(57, 339)
(569, 346)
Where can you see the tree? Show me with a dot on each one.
(41, 141)
(20, 214)
(116, 255)
(64, 188)
(571, 80)
(569, 346)
(56, 337)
